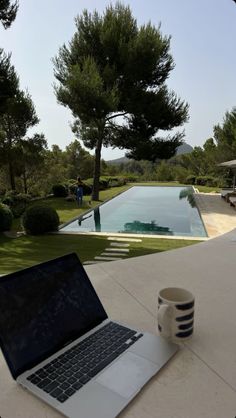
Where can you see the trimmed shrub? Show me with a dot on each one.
(130, 178)
(72, 189)
(191, 179)
(59, 190)
(6, 218)
(104, 183)
(40, 219)
(16, 202)
(87, 189)
(209, 181)
(226, 182)
(117, 181)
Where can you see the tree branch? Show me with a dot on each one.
(115, 116)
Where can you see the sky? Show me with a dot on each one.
(203, 35)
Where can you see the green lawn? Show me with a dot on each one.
(28, 250)
(25, 251)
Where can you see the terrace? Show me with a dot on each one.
(200, 380)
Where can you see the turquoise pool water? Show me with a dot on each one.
(145, 210)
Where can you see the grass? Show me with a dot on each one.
(207, 189)
(26, 251)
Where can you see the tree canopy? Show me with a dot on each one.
(112, 76)
(8, 12)
(225, 136)
(19, 115)
(9, 81)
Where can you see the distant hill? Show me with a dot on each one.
(118, 161)
(182, 149)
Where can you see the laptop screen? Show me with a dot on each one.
(42, 308)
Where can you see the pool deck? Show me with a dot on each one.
(217, 215)
(200, 381)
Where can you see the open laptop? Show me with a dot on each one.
(59, 343)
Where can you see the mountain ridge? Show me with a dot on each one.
(182, 149)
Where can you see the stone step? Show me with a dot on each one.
(124, 239)
(119, 244)
(120, 250)
(107, 258)
(91, 262)
(115, 254)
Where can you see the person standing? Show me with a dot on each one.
(79, 191)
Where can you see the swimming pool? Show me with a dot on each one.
(150, 210)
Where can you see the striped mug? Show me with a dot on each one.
(175, 313)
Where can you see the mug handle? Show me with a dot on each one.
(163, 318)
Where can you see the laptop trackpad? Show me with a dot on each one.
(127, 375)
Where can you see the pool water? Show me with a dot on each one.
(145, 210)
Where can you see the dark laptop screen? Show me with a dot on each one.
(44, 307)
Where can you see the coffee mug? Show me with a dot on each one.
(175, 313)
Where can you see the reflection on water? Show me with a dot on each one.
(188, 194)
(80, 220)
(138, 227)
(97, 220)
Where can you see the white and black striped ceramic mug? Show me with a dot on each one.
(175, 313)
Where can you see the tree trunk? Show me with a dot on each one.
(9, 155)
(25, 182)
(12, 176)
(97, 164)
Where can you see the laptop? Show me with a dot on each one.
(60, 345)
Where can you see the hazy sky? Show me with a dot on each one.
(203, 47)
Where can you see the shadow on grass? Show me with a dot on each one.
(26, 251)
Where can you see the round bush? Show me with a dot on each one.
(59, 190)
(16, 202)
(40, 219)
(6, 218)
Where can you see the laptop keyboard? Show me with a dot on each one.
(69, 372)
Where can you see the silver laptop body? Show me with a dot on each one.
(43, 306)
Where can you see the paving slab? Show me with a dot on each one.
(106, 258)
(206, 269)
(114, 238)
(121, 250)
(218, 216)
(119, 244)
(115, 254)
